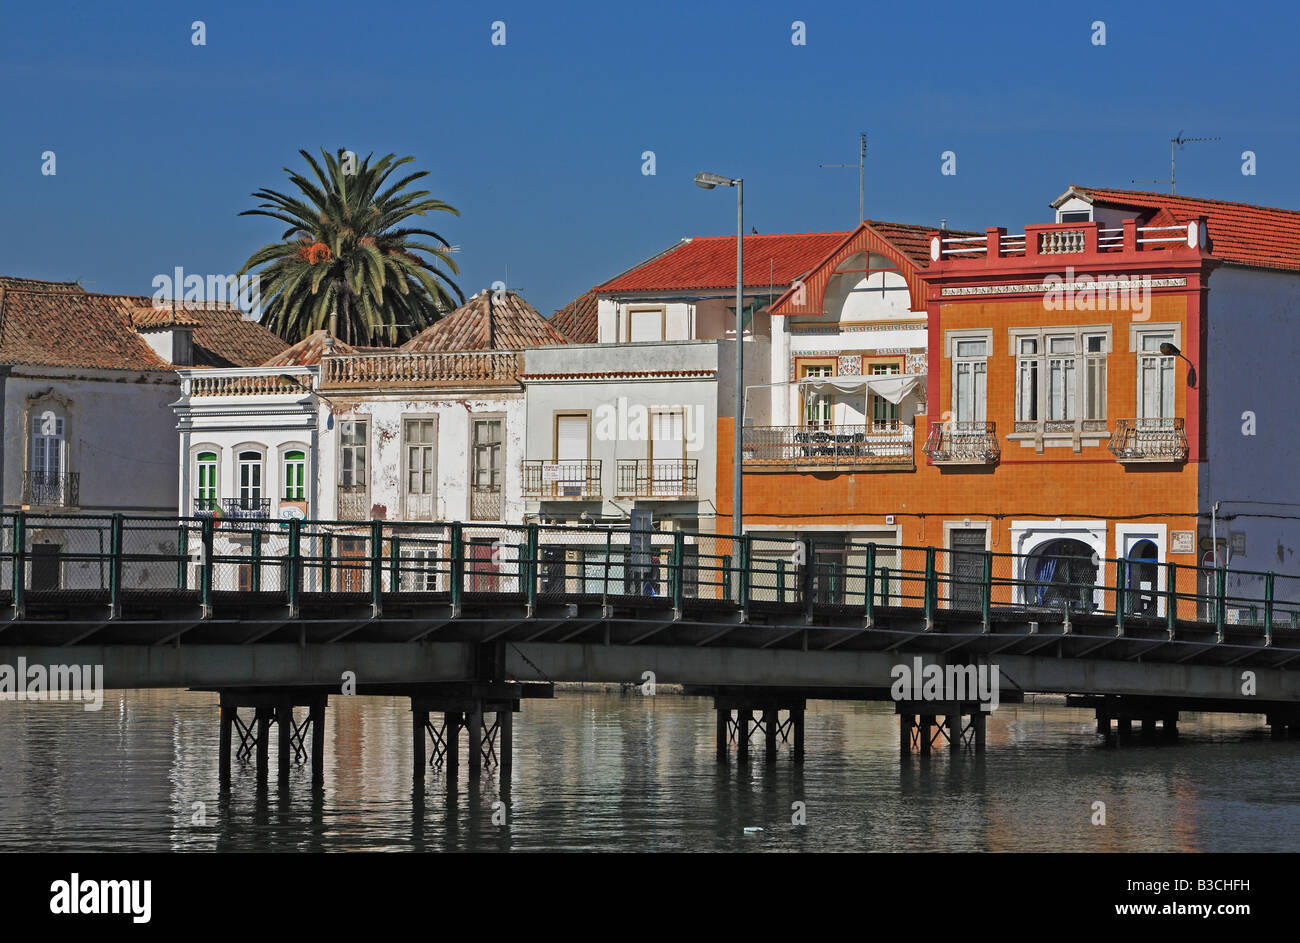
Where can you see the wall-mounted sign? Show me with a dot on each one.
(1238, 538)
(552, 474)
(1182, 541)
(290, 512)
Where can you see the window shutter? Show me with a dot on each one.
(571, 438)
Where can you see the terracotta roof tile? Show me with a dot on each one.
(487, 323)
(309, 351)
(1243, 233)
(709, 262)
(61, 324)
(578, 319)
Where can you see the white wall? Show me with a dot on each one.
(119, 432)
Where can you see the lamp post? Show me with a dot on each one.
(708, 181)
(1169, 350)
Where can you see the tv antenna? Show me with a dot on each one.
(861, 165)
(1176, 141)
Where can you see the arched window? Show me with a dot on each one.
(295, 475)
(1062, 572)
(250, 480)
(205, 487)
(48, 472)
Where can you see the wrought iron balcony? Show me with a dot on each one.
(570, 478)
(963, 443)
(233, 508)
(485, 503)
(1149, 440)
(656, 478)
(41, 489)
(352, 503)
(885, 442)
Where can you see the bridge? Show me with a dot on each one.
(470, 620)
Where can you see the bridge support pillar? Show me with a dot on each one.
(1169, 727)
(736, 722)
(964, 726)
(464, 706)
(271, 707)
(1125, 725)
(1148, 726)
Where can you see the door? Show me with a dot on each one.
(667, 453)
(421, 468)
(966, 568)
(45, 566)
(482, 567)
(353, 568)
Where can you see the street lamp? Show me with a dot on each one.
(1169, 350)
(707, 181)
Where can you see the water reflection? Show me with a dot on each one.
(627, 772)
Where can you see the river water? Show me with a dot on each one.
(626, 772)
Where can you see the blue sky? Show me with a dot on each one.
(538, 143)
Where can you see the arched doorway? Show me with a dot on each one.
(1061, 573)
(1141, 599)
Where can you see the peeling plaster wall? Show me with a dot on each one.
(454, 414)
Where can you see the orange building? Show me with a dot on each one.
(1059, 408)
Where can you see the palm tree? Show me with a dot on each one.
(346, 253)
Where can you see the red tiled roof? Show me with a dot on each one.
(709, 262)
(578, 319)
(61, 324)
(487, 322)
(1243, 233)
(57, 327)
(309, 351)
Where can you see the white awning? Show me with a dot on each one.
(891, 387)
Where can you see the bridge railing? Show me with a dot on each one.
(105, 556)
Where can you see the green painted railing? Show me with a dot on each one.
(110, 557)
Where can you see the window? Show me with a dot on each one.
(419, 572)
(1060, 377)
(817, 406)
(487, 469)
(295, 475)
(1155, 378)
(420, 454)
(1027, 364)
(884, 414)
(1094, 376)
(970, 379)
(250, 479)
(206, 487)
(645, 324)
(47, 447)
(572, 437)
(1076, 216)
(352, 454)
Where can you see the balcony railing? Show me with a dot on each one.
(571, 478)
(353, 504)
(485, 503)
(887, 442)
(41, 489)
(233, 508)
(656, 478)
(454, 368)
(1149, 440)
(1063, 239)
(963, 443)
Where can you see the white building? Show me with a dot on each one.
(430, 432)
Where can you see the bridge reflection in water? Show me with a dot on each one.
(470, 620)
